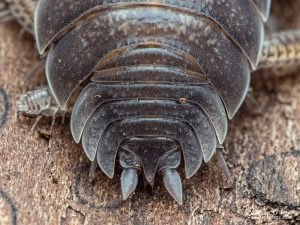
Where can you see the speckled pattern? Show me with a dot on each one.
(238, 18)
(219, 58)
(216, 35)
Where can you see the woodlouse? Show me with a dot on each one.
(154, 80)
(39, 103)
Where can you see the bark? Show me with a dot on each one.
(45, 181)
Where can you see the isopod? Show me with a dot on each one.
(39, 103)
(154, 82)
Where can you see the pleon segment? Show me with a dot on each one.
(236, 17)
(77, 54)
(124, 129)
(111, 111)
(96, 94)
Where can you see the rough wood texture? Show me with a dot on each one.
(46, 181)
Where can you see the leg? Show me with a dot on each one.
(53, 120)
(5, 13)
(52, 124)
(37, 120)
(281, 50)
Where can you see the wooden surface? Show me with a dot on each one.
(46, 181)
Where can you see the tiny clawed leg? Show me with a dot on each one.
(52, 124)
(54, 116)
(37, 120)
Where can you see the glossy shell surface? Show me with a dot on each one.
(142, 71)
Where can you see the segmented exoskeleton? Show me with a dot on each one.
(39, 103)
(139, 59)
(151, 80)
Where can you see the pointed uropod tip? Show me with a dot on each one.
(173, 184)
(129, 181)
(38, 45)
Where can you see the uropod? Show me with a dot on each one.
(151, 85)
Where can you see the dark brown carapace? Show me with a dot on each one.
(152, 80)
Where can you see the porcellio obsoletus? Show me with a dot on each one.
(152, 84)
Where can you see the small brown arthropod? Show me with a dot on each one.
(153, 81)
(39, 103)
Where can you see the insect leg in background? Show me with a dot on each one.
(20, 10)
(281, 50)
(5, 13)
